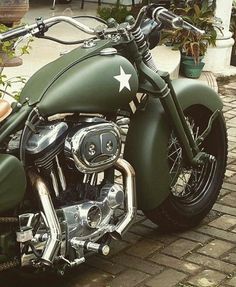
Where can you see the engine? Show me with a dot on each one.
(78, 212)
(91, 147)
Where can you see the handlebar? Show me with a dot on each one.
(35, 29)
(71, 21)
(14, 33)
(165, 16)
(154, 12)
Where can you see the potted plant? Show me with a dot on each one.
(7, 52)
(233, 30)
(12, 11)
(8, 58)
(118, 12)
(193, 46)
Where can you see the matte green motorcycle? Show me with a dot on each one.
(82, 138)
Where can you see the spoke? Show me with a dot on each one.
(197, 132)
(177, 158)
(178, 151)
(185, 180)
(172, 141)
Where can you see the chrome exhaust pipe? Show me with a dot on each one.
(129, 174)
(55, 236)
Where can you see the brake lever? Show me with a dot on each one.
(179, 23)
(20, 39)
(190, 27)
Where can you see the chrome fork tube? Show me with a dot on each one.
(129, 176)
(55, 236)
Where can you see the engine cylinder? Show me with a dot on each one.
(46, 144)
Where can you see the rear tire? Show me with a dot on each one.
(193, 190)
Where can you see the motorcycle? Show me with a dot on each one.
(99, 133)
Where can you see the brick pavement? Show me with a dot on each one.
(204, 256)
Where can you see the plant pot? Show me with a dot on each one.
(192, 70)
(7, 61)
(188, 59)
(12, 11)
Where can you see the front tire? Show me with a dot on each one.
(194, 190)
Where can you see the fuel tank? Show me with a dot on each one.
(85, 80)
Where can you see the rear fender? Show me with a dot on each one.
(147, 141)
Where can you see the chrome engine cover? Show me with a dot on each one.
(94, 147)
(90, 219)
(46, 138)
(86, 221)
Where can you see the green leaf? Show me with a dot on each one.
(197, 10)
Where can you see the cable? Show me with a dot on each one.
(91, 17)
(42, 36)
(78, 17)
(64, 42)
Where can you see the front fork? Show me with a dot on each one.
(159, 85)
(190, 145)
(174, 112)
(193, 156)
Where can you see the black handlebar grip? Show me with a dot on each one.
(163, 15)
(14, 33)
(150, 10)
(156, 12)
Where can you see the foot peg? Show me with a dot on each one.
(90, 246)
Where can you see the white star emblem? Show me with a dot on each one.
(123, 78)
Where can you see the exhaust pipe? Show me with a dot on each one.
(55, 236)
(129, 174)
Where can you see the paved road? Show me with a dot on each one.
(204, 256)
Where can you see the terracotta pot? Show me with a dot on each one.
(6, 61)
(11, 11)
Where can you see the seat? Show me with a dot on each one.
(5, 110)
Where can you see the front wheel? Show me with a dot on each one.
(194, 190)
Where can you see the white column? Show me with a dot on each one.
(218, 58)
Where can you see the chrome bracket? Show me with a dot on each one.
(207, 131)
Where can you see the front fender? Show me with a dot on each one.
(147, 141)
(192, 92)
